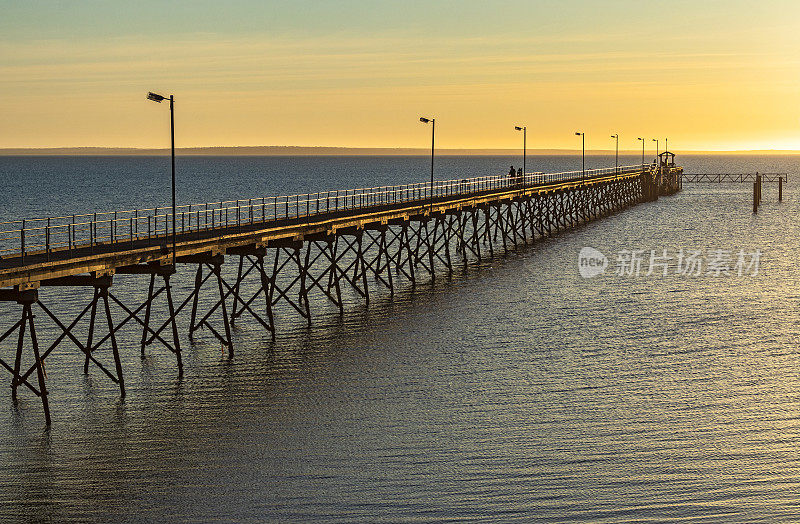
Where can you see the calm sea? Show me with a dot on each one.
(514, 390)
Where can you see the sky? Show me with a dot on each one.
(710, 75)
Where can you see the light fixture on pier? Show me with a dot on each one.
(155, 97)
(657, 150)
(431, 121)
(159, 98)
(524, 130)
(642, 139)
(583, 153)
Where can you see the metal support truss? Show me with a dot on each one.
(213, 263)
(251, 260)
(26, 299)
(101, 285)
(149, 335)
(366, 258)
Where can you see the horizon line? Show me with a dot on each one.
(345, 151)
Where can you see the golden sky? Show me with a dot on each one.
(708, 75)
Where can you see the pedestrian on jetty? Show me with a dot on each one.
(511, 174)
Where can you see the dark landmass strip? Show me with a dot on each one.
(334, 151)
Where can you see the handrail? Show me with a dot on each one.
(20, 238)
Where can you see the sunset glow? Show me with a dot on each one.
(710, 75)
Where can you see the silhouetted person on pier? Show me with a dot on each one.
(520, 177)
(511, 174)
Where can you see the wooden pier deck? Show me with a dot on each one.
(290, 247)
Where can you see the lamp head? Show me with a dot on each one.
(518, 128)
(424, 120)
(578, 133)
(614, 136)
(640, 138)
(155, 98)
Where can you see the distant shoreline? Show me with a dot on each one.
(340, 151)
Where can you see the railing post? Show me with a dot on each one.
(47, 238)
(22, 241)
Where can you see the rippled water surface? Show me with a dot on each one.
(513, 390)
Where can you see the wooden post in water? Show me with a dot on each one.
(780, 189)
(755, 197)
(758, 183)
(760, 188)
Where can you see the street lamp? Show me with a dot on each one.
(666, 144)
(583, 153)
(657, 150)
(158, 98)
(431, 121)
(642, 139)
(524, 130)
(616, 154)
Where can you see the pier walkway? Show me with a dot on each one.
(289, 247)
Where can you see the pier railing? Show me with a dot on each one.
(733, 177)
(42, 236)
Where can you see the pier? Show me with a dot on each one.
(757, 179)
(733, 177)
(292, 247)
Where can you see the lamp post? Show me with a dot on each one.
(666, 144)
(524, 130)
(158, 98)
(616, 153)
(657, 150)
(431, 121)
(583, 153)
(642, 139)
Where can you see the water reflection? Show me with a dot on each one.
(510, 390)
